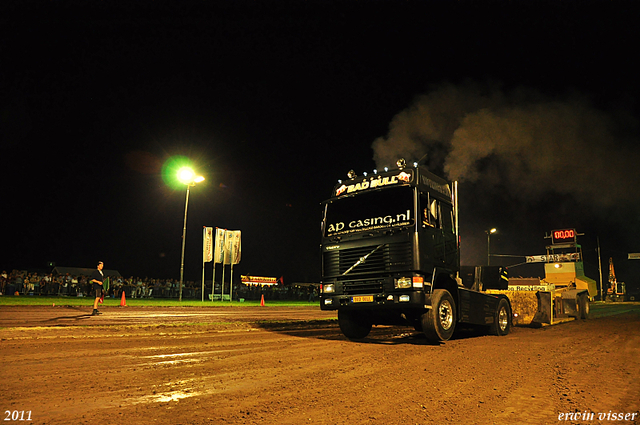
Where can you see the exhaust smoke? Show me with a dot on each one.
(523, 142)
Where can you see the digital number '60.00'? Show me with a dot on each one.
(564, 234)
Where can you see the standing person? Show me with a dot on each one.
(97, 278)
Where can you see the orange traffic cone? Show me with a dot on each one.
(123, 301)
(262, 301)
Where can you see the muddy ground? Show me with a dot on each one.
(268, 365)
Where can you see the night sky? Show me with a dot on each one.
(531, 105)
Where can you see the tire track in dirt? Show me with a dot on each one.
(577, 387)
(127, 360)
(264, 372)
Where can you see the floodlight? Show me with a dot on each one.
(186, 175)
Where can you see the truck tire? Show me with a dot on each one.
(583, 306)
(353, 325)
(439, 322)
(502, 322)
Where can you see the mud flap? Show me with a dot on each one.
(544, 313)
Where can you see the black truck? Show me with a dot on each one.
(390, 256)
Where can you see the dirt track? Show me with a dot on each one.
(288, 366)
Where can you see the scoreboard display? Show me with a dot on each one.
(563, 236)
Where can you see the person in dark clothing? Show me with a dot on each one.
(97, 278)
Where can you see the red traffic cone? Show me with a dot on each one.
(262, 301)
(123, 301)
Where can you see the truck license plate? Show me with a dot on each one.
(362, 299)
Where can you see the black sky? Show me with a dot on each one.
(275, 101)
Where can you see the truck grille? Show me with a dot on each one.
(363, 286)
(387, 258)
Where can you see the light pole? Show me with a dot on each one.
(187, 176)
(489, 233)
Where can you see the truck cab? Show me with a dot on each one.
(390, 256)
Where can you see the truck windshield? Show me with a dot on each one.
(382, 209)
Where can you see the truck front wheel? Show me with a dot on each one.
(353, 325)
(502, 321)
(439, 322)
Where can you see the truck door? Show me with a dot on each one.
(449, 236)
(437, 226)
(432, 245)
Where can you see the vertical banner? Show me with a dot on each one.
(234, 246)
(226, 250)
(228, 236)
(234, 255)
(218, 255)
(207, 251)
(207, 247)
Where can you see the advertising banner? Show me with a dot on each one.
(234, 246)
(227, 247)
(231, 247)
(536, 258)
(218, 255)
(259, 280)
(207, 245)
(553, 258)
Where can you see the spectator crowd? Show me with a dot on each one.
(50, 284)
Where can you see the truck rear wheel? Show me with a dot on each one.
(353, 325)
(439, 322)
(583, 306)
(502, 322)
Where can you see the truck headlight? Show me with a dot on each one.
(403, 283)
(329, 288)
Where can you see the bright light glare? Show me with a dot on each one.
(178, 171)
(186, 175)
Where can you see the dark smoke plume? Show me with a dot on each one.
(521, 140)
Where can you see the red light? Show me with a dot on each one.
(564, 235)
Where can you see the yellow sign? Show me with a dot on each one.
(259, 280)
(376, 181)
(363, 299)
